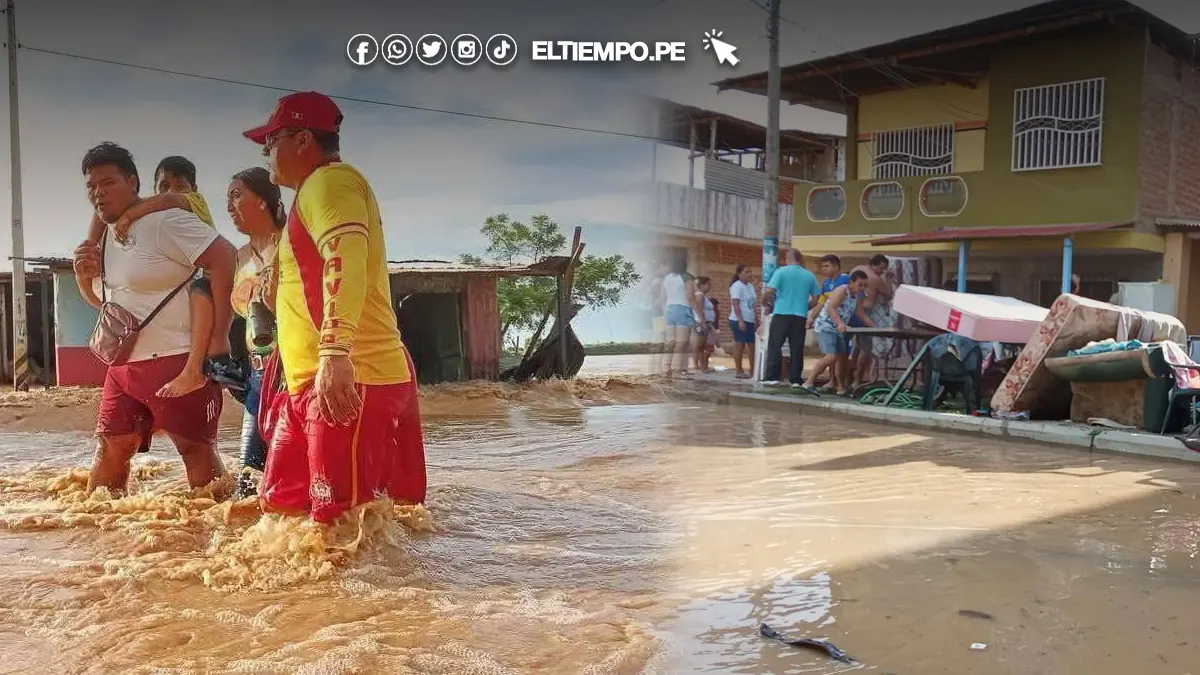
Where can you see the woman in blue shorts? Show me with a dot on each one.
(679, 300)
(830, 326)
(743, 315)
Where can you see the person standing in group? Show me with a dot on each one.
(705, 328)
(876, 303)
(347, 428)
(679, 312)
(144, 280)
(792, 290)
(256, 209)
(658, 325)
(743, 319)
(833, 319)
(832, 277)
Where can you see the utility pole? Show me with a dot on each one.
(771, 227)
(19, 305)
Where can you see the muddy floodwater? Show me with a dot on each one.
(618, 534)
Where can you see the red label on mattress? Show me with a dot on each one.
(953, 321)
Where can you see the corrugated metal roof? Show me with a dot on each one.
(552, 266)
(972, 233)
(1177, 224)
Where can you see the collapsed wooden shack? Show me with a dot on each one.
(449, 316)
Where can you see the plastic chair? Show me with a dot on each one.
(949, 370)
(1191, 392)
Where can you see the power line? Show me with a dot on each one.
(352, 99)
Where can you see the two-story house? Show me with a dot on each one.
(1063, 137)
(721, 224)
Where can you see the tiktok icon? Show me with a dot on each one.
(501, 49)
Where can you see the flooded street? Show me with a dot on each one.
(635, 537)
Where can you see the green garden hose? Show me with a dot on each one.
(905, 400)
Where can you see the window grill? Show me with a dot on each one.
(916, 151)
(1058, 126)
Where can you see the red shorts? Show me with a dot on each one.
(129, 403)
(326, 470)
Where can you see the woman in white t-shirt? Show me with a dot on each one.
(680, 308)
(743, 313)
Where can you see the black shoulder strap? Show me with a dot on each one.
(103, 246)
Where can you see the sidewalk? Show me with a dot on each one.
(1055, 433)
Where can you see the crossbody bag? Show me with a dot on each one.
(117, 329)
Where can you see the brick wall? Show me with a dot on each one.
(1170, 140)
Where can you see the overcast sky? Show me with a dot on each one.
(437, 176)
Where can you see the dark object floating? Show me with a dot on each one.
(809, 643)
(972, 614)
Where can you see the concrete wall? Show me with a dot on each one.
(926, 106)
(74, 319)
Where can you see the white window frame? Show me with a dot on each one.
(808, 204)
(921, 197)
(1039, 117)
(908, 155)
(862, 200)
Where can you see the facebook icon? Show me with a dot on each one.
(362, 49)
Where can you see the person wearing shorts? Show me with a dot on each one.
(163, 253)
(743, 319)
(680, 310)
(346, 429)
(831, 325)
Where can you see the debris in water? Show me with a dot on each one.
(978, 646)
(973, 614)
(827, 647)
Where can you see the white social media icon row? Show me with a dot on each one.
(396, 49)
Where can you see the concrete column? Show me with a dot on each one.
(851, 141)
(1180, 271)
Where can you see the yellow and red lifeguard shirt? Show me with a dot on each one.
(334, 295)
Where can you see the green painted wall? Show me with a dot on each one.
(1000, 197)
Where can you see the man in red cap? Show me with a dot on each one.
(347, 429)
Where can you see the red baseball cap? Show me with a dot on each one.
(302, 110)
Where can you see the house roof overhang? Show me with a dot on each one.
(956, 55)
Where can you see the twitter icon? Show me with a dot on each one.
(431, 49)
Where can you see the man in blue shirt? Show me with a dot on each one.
(793, 291)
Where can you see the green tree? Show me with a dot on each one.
(600, 281)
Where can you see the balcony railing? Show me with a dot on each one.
(681, 207)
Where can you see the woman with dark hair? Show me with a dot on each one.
(742, 318)
(257, 211)
(679, 300)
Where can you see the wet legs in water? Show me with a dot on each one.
(254, 449)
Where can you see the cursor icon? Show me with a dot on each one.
(721, 48)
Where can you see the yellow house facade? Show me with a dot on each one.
(1082, 124)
